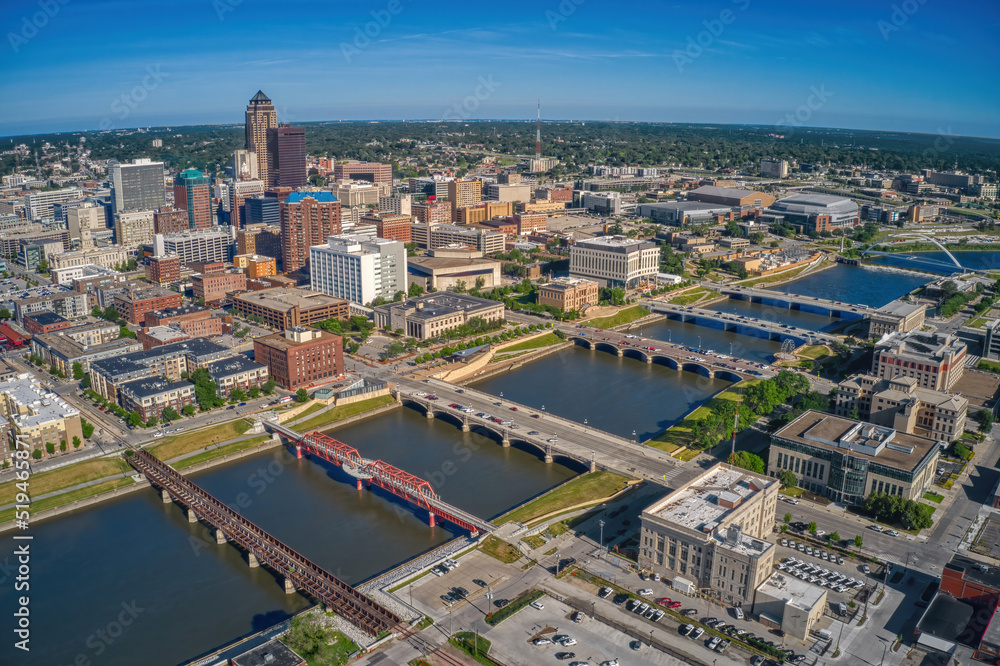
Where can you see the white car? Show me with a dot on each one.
(157, 434)
(537, 604)
(892, 532)
(645, 592)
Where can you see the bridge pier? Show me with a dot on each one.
(548, 454)
(465, 426)
(649, 360)
(430, 414)
(289, 586)
(593, 466)
(192, 516)
(220, 538)
(506, 440)
(431, 519)
(619, 350)
(252, 560)
(361, 485)
(298, 450)
(166, 497)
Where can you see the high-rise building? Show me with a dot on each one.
(357, 268)
(773, 168)
(397, 204)
(259, 239)
(432, 211)
(239, 192)
(463, 193)
(193, 193)
(260, 117)
(170, 221)
(307, 219)
(137, 186)
(244, 165)
(614, 261)
(39, 205)
(211, 245)
(301, 356)
(261, 210)
(133, 229)
(286, 156)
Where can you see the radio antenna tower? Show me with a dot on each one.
(538, 132)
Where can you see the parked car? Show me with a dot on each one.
(645, 592)
(697, 633)
(542, 641)
(537, 604)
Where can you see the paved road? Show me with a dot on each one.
(585, 443)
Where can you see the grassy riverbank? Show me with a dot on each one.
(344, 411)
(682, 434)
(586, 488)
(626, 316)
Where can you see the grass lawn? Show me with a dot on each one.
(501, 550)
(70, 497)
(546, 340)
(693, 295)
(777, 277)
(493, 619)
(976, 323)
(235, 447)
(586, 488)
(345, 411)
(534, 541)
(814, 352)
(988, 366)
(65, 477)
(178, 445)
(682, 433)
(626, 316)
(473, 645)
(315, 407)
(791, 492)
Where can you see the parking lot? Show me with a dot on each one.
(596, 642)
(14, 289)
(475, 566)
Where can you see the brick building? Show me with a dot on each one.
(149, 396)
(301, 356)
(307, 218)
(170, 221)
(371, 171)
(569, 293)
(164, 269)
(45, 322)
(214, 287)
(134, 303)
(256, 265)
(237, 372)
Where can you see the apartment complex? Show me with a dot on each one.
(68, 304)
(614, 261)
(256, 265)
(432, 211)
(82, 344)
(307, 219)
(149, 396)
(711, 532)
(896, 317)
(396, 204)
(569, 293)
(284, 308)
(358, 268)
(36, 417)
(237, 372)
(301, 356)
(239, 192)
(902, 405)
(390, 227)
(429, 315)
(935, 360)
(847, 460)
(480, 213)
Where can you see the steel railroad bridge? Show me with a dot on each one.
(299, 573)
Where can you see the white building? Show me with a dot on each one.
(614, 261)
(133, 229)
(108, 257)
(600, 202)
(208, 245)
(358, 268)
(38, 205)
(137, 186)
(773, 168)
(503, 193)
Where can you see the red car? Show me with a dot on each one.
(535, 416)
(663, 601)
(513, 409)
(674, 604)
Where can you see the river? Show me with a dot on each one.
(939, 262)
(131, 581)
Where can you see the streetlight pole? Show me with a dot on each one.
(601, 544)
(699, 343)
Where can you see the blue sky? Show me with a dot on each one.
(919, 65)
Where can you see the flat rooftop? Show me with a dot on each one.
(40, 405)
(946, 618)
(706, 502)
(281, 298)
(795, 592)
(863, 440)
(614, 244)
(901, 308)
(446, 263)
(976, 571)
(920, 345)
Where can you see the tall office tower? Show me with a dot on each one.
(137, 186)
(464, 193)
(286, 156)
(261, 116)
(244, 165)
(193, 194)
(239, 192)
(307, 219)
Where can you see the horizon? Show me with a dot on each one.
(853, 66)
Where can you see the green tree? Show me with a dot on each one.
(985, 418)
(37, 454)
(78, 371)
(788, 518)
(788, 479)
(170, 414)
(302, 395)
(415, 290)
(394, 349)
(812, 528)
(50, 447)
(152, 422)
(835, 537)
(749, 461)
(254, 392)
(5, 313)
(187, 410)
(205, 390)
(87, 428)
(237, 395)
(858, 541)
(134, 419)
(76, 442)
(268, 387)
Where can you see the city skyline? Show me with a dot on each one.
(855, 66)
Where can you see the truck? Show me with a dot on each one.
(683, 585)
